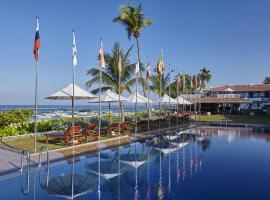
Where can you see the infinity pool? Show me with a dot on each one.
(204, 163)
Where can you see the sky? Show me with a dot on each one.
(230, 38)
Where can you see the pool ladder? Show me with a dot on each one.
(44, 147)
(26, 154)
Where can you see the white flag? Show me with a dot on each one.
(137, 69)
(74, 51)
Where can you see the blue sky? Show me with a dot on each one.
(231, 38)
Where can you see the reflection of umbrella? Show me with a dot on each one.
(108, 97)
(61, 186)
(108, 169)
(140, 99)
(134, 160)
(67, 93)
(166, 147)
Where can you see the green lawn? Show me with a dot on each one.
(257, 119)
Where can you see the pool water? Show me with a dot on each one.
(205, 163)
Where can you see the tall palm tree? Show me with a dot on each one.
(110, 76)
(205, 76)
(132, 18)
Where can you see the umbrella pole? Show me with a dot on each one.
(169, 98)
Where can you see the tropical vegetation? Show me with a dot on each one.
(116, 78)
(133, 19)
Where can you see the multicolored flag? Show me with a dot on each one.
(160, 65)
(148, 75)
(137, 69)
(178, 80)
(37, 42)
(101, 56)
(74, 50)
(184, 83)
(119, 63)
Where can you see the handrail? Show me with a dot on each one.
(44, 147)
(25, 191)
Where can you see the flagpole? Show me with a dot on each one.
(119, 88)
(136, 97)
(190, 98)
(148, 123)
(73, 93)
(169, 96)
(177, 101)
(36, 81)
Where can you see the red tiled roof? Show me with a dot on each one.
(243, 88)
(218, 100)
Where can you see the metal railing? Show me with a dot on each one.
(44, 147)
(25, 190)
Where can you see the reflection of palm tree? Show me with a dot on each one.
(132, 18)
(110, 75)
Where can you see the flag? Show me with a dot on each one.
(178, 80)
(119, 63)
(101, 56)
(74, 50)
(160, 65)
(137, 69)
(184, 82)
(36, 42)
(194, 82)
(148, 75)
(191, 82)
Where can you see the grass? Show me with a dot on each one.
(28, 143)
(257, 119)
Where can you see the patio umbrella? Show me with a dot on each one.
(67, 93)
(166, 99)
(183, 101)
(110, 97)
(140, 98)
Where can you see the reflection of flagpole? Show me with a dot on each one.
(36, 54)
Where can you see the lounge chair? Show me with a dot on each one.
(89, 131)
(112, 129)
(126, 127)
(67, 136)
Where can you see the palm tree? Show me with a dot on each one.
(155, 84)
(132, 18)
(266, 80)
(205, 76)
(110, 76)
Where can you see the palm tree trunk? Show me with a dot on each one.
(144, 88)
(122, 111)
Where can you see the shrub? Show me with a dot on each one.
(15, 117)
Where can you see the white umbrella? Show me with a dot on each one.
(109, 97)
(67, 93)
(183, 101)
(167, 99)
(140, 99)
